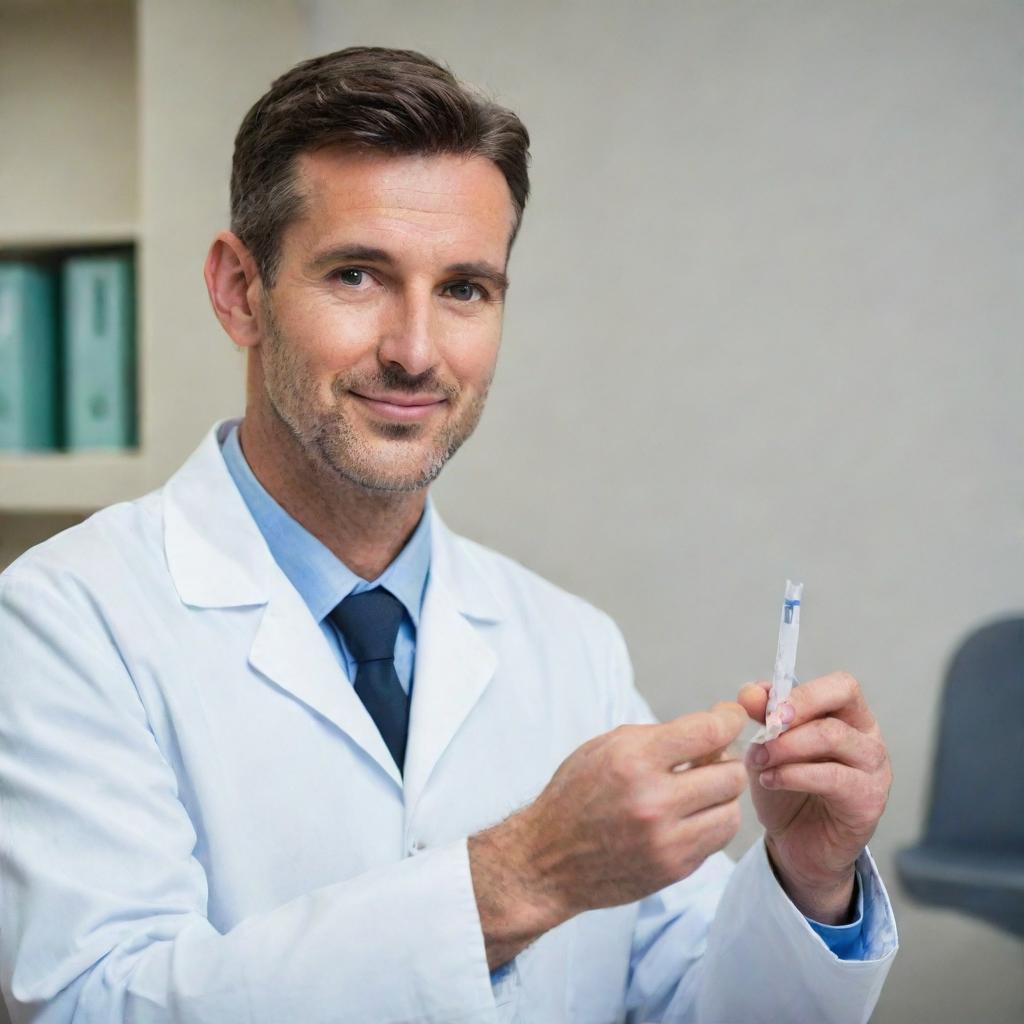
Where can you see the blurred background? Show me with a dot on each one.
(765, 321)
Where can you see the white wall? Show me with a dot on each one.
(764, 321)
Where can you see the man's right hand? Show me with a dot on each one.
(616, 822)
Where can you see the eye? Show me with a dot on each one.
(351, 276)
(466, 291)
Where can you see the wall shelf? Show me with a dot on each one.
(69, 481)
(119, 120)
(68, 236)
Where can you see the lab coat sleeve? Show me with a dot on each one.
(726, 944)
(103, 903)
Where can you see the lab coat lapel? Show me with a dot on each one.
(454, 662)
(291, 651)
(218, 558)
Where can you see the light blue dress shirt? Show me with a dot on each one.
(323, 580)
(845, 940)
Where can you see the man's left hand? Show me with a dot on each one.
(821, 790)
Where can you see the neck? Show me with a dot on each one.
(365, 529)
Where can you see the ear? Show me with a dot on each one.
(234, 287)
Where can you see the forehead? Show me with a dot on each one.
(450, 205)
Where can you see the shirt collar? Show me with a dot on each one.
(320, 577)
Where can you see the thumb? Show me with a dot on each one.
(753, 698)
(701, 735)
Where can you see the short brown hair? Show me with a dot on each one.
(367, 97)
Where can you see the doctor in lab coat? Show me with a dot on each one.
(200, 819)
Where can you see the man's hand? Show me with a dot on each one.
(615, 823)
(819, 790)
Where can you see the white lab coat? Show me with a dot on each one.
(201, 822)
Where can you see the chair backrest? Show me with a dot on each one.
(977, 798)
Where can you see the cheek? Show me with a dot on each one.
(472, 358)
(332, 339)
(473, 374)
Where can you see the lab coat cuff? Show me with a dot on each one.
(759, 930)
(878, 926)
(505, 981)
(844, 939)
(456, 963)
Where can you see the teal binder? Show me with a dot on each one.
(99, 352)
(28, 359)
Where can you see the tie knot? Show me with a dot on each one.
(369, 623)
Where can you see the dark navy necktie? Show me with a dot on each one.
(369, 623)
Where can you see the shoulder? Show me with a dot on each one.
(578, 641)
(526, 594)
(121, 540)
(74, 606)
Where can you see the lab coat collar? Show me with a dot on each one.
(218, 558)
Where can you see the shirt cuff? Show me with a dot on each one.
(501, 972)
(845, 940)
(505, 983)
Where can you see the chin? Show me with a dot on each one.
(384, 485)
(386, 477)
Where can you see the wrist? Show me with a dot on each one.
(513, 902)
(827, 900)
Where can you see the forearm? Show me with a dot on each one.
(514, 910)
(355, 950)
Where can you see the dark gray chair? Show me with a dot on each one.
(972, 855)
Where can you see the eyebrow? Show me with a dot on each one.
(370, 254)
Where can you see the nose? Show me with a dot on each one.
(409, 338)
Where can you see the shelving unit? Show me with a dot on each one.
(123, 115)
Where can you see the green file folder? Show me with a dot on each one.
(28, 359)
(99, 352)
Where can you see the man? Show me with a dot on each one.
(278, 746)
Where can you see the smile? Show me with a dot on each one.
(404, 408)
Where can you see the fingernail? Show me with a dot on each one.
(787, 712)
(758, 754)
(768, 779)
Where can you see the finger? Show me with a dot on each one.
(827, 779)
(724, 753)
(697, 734)
(753, 698)
(708, 786)
(730, 709)
(837, 694)
(824, 739)
(709, 830)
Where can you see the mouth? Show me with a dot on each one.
(404, 408)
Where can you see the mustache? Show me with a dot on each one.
(391, 380)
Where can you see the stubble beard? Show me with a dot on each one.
(334, 443)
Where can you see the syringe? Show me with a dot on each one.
(783, 678)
